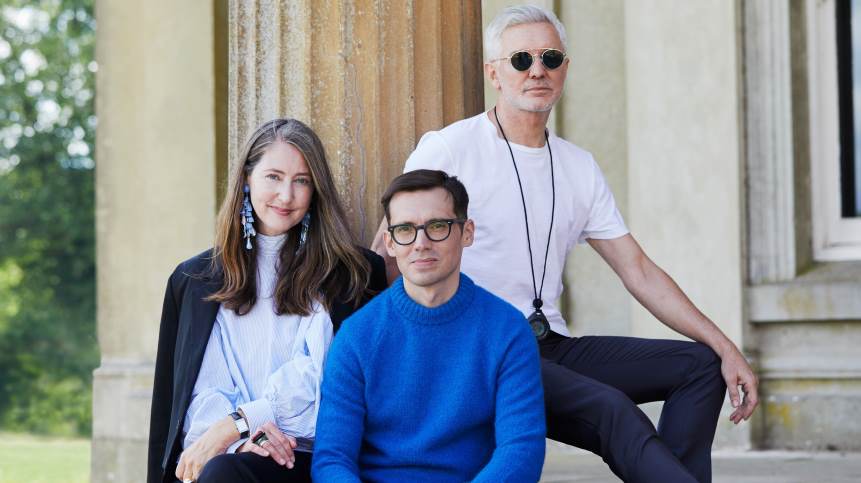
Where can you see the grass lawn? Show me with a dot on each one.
(25, 458)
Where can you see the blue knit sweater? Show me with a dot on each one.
(450, 393)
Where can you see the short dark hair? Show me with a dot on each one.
(428, 179)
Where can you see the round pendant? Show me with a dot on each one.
(539, 324)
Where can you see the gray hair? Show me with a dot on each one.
(517, 15)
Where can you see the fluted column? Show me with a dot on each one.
(369, 76)
(771, 196)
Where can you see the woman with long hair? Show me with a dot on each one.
(246, 325)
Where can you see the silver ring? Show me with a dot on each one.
(263, 442)
(188, 480)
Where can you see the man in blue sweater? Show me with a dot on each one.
(435, 379)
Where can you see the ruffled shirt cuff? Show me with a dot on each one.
(257, 413)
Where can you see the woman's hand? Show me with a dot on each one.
(277, 445)
(212, 443)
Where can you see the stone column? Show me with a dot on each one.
(369, 76)
(592, 114)
(769, 115)
(685, 158)
(155, 197)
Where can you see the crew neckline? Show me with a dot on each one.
(517, 147)
(414, 312)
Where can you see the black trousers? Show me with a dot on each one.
(592, 386)
(252, 468)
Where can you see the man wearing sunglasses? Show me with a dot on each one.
(435, 379)
(537, 195)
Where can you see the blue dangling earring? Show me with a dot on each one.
(303, 235)
(246, 214)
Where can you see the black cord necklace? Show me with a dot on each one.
(538, 321)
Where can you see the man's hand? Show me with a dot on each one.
(379, 246)
(737, 372)
(277, 445)
(214, 442)
(658, 293)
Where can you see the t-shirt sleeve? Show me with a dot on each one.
(605, 222)
(432, 152)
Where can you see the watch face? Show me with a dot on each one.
(241, 423)
(539, 324)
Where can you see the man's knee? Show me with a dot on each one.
(221, 469)
(706, 369)
(704, 356)
(705, 361)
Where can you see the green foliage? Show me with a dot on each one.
(47, 237)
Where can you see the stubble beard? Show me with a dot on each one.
(526, 106)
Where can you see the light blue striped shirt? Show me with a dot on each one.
(268, 365)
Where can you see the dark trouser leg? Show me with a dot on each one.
(252, 468)
(599, 418)
(684, 374)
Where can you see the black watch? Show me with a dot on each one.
(241, 424)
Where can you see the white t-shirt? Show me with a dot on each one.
(499, 258)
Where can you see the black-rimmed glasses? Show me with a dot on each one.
(522, 60)
(435, 230)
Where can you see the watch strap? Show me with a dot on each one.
(241, 424)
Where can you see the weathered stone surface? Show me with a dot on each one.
(829, 291)
(811, 414)
(684, 161)
(809, 350)
(593, 114)
(121, 397)
(155, 201)
(368, 76)
(770, 163)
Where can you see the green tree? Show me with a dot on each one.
(47, 237)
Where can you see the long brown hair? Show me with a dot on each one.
(328, 268)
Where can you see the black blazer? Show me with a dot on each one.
(186, 323)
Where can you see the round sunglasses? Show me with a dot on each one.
(522, 59)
